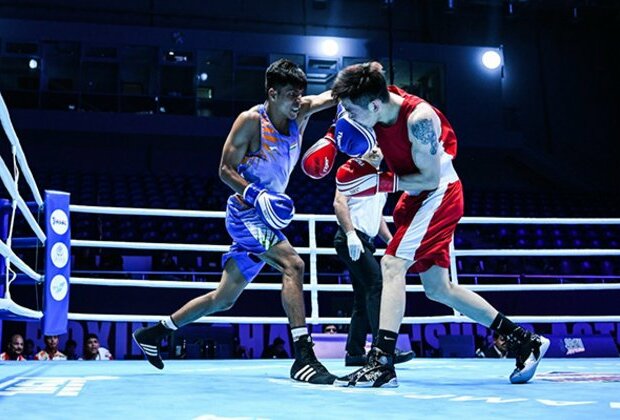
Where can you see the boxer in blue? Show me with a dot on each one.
(259, 155)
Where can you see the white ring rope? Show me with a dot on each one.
(135, 211)
(8, 253)
(333, 320)
(174, 284)
(330, 251)
(9, 183)
(14, 308)
(539, 221)
(5, 118)
(313, 287)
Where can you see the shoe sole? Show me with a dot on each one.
(341, 383)
(528, 373)
(392, 383)
(312, 383)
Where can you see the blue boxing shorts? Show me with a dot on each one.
(251, 237)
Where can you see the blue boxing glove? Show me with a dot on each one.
(276, 210)
(353, 138)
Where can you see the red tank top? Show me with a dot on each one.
(394, 139)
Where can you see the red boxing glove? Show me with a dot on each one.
(358, 178)
(319, 159)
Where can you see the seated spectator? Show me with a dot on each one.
(29, 349)
(498, 349)
(275, 350)
(93, 351)
(14, 349)
(50, 352)
(239, 351)
(111, 261)
(70, 347)
(330, 329)
(165, 263)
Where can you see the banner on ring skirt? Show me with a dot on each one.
(57, 263)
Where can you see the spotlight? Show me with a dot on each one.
(33, 64)
(491, 59)
(203, 77)
(330, 47)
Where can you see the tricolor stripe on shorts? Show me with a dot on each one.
(426, 224)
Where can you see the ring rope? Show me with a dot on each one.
(5, 118)
(314, 251)
(8, 182)
(8, 253)
(10, 274)
(334, 320)
(135, 211)
(330, 251)
(173, 284)
(12, 307)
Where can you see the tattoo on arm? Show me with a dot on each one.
(424, 133)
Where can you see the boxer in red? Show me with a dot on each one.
(418, 144)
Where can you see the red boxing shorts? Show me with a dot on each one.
(425, 225)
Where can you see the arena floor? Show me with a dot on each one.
(260, 389)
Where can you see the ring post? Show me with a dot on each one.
(57, 263)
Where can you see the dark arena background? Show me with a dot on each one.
(126, 105)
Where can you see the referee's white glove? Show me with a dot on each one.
(355, 245)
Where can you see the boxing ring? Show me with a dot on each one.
(247, 389)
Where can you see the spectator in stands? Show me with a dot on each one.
(14, 349)
(85, 259)
(239, 351)
(93, 350)
(50, 352)
(165, 264)
(498, 349)
(275, 350)
(330, 329)
(29, 349)
(110, 261)
(70, 350)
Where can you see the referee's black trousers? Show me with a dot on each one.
(366, 280)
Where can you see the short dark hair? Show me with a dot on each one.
(361, 84)
(89, 336)
(284, 72)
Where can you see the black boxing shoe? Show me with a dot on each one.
(529, 355)
(149, 339)
(306, 367)
(378, 373)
